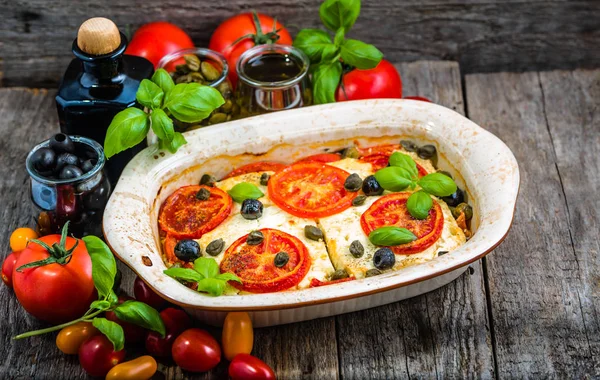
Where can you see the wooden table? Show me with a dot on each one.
(529, 309)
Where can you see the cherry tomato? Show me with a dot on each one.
(72, 337)
(145, 294)
(238, 336)
(176, 321)
(141, 368)
(322, 157)
(97, 356)
(7, 268)
(421, 98)
(55, 293)
(225, 38)
(195, 350)
(381, 82)
(20, 237)
(157, 39)
(133, 333)
(248, 367)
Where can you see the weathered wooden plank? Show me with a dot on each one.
(539, 290)
(484, 35)
(443, 333)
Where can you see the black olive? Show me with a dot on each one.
(187, 250)
(203, 194)
(427, 152)
(70, 172)
(97, 198)
(371, 186)
(43, 161)
(88, 165)
(255, 238)
(313, 233)
(463, 208)
(215, 247)
(65, 159)
(357, 249)
(252, 209)
(455, 199)
(359, 200)
(339, 274)
(372, 272)
(384, 258)
(281, 259)
(208, 180)
(408, 145)
(353, 182)
(62, 143)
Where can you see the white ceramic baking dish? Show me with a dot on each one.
(478, 160)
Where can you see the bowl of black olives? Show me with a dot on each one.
(68, 183)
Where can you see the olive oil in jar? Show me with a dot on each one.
(273, 67)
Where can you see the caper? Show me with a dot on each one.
(196, 77)
(359, 200)
(255, 238)
(182, 69)
(217, 118)
(351, 152)
(427, 152)
(353, 182)
(442, 253)
(209, 71)
(281, 259)
(372, 272)
(463, 208)
(339, 274)
(183, 79)
(357, 249)
(203, 194)
(227, 106)
(208, 180)
(215, 247)
(313, 233)
(408, 145)
(192, 61)
(264, 179)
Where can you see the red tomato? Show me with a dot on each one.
(381, 82)
(421, 98)
(47, 292)
(225, 38)
(195, 350)
(322, 157)
(248, 367)
(7, 268)
(176, 321)
(133, 333)
(379, 156)
(97, 356)
(315, 283)
(157, 39)
(145, 294)
(255, 167)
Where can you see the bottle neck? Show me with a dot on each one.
(102, 69)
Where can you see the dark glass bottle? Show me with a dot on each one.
(94, 89)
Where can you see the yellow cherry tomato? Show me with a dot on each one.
(238, 336)
(20, 237)
(141, 368)
(71, 337)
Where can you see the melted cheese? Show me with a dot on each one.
(351, 165)
(253, 178)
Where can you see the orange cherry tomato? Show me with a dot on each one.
(71, 337)
(238, 336)
(143, 367)
(20, 237)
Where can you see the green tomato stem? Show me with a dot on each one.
(85, 318)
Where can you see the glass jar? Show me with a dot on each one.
(272, 78)
(206, 67)
(80, 200)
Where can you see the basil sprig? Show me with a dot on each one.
(206, 274)
(187, 102)
(327, 55)
(390, 236)
(245, 190)
(104, 270)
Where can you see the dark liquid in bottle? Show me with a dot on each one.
(273, 67)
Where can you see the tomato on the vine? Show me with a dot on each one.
(157, 39)
(133, 333)
(195, 350)
(248, 367)
(145, 294)
(70, 338)
(7, 268)
(381, 82)
(97, 356)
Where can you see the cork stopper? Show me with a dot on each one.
(98, 36)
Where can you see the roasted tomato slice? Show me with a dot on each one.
(322, 157)
(315, 283)
(310, 190)
(183, 216)
(390, 210)
(255, 264)
(379, 156)
(263, 166)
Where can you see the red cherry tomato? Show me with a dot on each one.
(176, 321)
(157, 39)
(7, 268)
(133, 333)
(97, 356)
(381, 82)
(248, 367)
(145, 294)
(196, 350)
(421, 98)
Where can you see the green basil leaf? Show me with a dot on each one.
(314, 43)
(172, 146)
(162, 125)
(184, 274)
(127, 129)
(112, 298)
(104, 266)
(419, 204)
(212, 286)
(162, 78)
(142, 315)
(438, 184)
(227, 276)
(390, 236)
(360, 55)
(326, 79)
(338, 40)
(149, 94)
(192, 102)
(207, 268)
(394, 178)
(404, 161)
(339, 13)
(112, 330)
(100, 305)
(245, 190)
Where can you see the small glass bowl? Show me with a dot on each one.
(80, 200)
